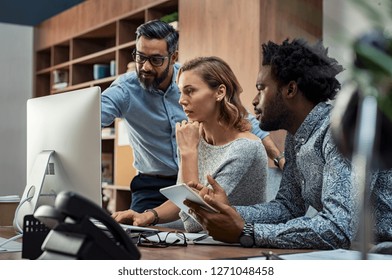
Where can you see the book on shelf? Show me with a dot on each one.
(60, 78)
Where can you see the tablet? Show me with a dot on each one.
(178, 193)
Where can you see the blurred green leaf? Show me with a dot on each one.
(376, 59)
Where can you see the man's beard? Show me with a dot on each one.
(152, 85)
(272, 125)
(276, 117)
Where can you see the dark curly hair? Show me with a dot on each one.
(308, 65)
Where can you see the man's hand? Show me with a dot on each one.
(216, 192)
(224, 226)
(133, 218)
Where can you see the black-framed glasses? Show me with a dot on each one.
(161, 239)
(154, 60)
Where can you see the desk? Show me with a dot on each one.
(191, 252)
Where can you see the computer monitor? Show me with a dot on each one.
(63, 149)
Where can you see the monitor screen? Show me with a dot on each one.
(63, 149)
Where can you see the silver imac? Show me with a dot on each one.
(63, 149)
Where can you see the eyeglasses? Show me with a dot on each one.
(162, 240)
(154, 60)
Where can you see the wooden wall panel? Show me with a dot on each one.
(281, 19)
(225, 28)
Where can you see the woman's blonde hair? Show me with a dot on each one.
(216, 72)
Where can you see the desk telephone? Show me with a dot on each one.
(73, 234)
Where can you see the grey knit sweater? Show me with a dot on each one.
(240, 167)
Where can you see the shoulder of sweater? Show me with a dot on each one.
(246, 146)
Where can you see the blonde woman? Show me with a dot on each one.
(216, 140)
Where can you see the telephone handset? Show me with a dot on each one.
(74, 236)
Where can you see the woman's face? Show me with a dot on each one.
(197, 99)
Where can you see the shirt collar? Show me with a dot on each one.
(312, 121)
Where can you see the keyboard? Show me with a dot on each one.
(127, 228)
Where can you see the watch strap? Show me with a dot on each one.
(248, 234)
(278, 158)
(156, 217)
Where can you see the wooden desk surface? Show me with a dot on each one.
(191, 252)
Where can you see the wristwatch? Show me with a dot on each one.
(247, 237)
(278, 158)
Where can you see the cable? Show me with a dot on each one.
(19, 229)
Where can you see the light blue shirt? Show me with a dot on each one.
(151, 119)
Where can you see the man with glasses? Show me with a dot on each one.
(148, 100)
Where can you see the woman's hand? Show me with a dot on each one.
(188, 136)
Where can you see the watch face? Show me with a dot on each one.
(246, 241)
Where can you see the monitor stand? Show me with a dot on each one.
(31, 194)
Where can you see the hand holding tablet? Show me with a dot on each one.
(178, 193)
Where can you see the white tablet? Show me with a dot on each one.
(178, 193)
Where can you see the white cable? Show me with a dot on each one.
(20, 230)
